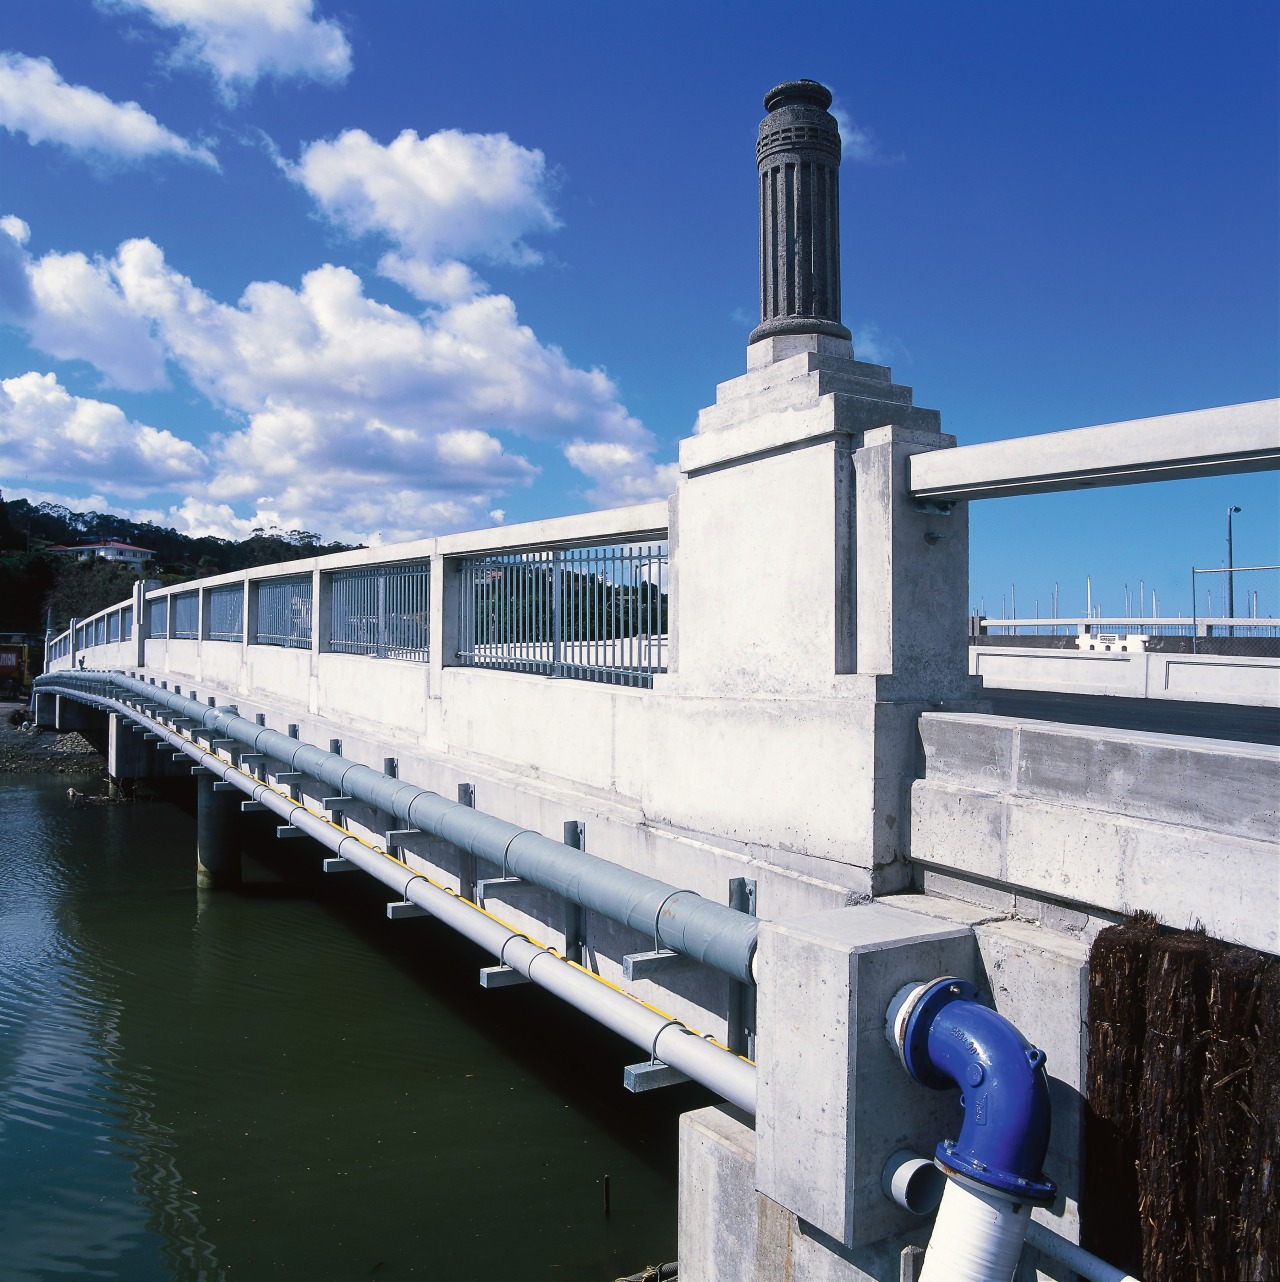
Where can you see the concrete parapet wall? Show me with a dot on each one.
(1133, 674)
(1104, 820)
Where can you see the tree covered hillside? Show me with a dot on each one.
(33, 579)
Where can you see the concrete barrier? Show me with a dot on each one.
(1192, 678)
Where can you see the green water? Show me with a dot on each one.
(277, 1082)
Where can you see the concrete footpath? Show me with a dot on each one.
(32, 751)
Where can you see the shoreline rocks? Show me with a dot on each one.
(32, 751)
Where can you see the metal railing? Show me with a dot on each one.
(224, 607)
(185, 623)
(158, 617)
(382, 610)
(284, 612)
(588, 613)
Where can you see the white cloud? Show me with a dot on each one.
(37, 102)
(243, 41)
(76, 503)
(860, 143)
(17, 302)
(15, 229)
(48, 434)
(347, 416)
(871, 344)
(440, 200)
(78, 314)
(73, 310)
(622, 473)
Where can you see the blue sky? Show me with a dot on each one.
(398, 268)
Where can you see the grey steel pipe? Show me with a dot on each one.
(681, 920)
(664, 1038)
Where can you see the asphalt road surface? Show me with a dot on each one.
(1205, 720)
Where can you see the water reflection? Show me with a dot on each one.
(277, 1082)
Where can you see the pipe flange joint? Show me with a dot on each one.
(945, 1036)
(926, 1002)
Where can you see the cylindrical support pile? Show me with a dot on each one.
(217, 835)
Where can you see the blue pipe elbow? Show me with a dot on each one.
(946, 1037)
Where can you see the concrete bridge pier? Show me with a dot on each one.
(217, 836)
(127, 755)
(71, 714)
(46, 709)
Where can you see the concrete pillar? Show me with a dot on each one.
(446, 590)
(217, 835)
(912, 574)
(127, 752)
(46, 709)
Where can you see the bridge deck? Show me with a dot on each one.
(1233, 722)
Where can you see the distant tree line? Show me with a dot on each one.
(515, 603)
(33, 579)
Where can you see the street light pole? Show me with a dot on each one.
(1231, 586)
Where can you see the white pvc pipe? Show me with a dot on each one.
(1087, 1265)
(907, 1181)
(977, 1237)
(913, 1182)
(667, 1039)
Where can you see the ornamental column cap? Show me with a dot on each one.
(795, 92)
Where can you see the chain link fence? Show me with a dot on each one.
(1237, 611)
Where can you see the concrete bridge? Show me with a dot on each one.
(718, 766)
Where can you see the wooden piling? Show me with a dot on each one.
(1256, 1232)
(1117, 1015)
(1170, 1101)
(1235, 988)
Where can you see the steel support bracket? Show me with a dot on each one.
(659, 961)
(394, 835)
(334, 803)
(251, 807)
(501, 977)
(742, 997)
(503, 885)
(288, 830)
(339, 864)
(638, 1078)
(225, 785)
(405, 908)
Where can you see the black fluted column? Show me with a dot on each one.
(798, 156)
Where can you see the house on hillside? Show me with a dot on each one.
(108, 551)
